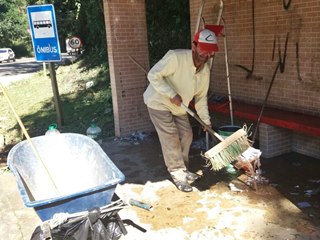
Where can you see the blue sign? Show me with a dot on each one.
(44, 33)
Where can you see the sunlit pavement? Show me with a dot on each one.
(215, 212)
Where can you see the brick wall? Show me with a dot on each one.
(305, 145)
(274, 141)
(296, 87)
(301, 21)
(127, 35)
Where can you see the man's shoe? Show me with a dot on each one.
(192, 176)
(179, 178)
(183, 186)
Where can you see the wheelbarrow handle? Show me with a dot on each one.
(210, 130)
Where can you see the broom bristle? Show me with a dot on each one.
(228, 150)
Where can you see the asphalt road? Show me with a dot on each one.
(21, 69)
(21, 66)
(14, 71)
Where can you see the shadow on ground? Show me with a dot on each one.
(211, 211)
(294, 175)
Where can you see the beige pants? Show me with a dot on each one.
(175, 135)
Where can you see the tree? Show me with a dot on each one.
(168, 24)
(67, 19)
(92, 29)
(13, 24)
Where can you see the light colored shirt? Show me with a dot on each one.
(176, 74)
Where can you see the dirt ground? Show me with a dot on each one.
(284, 206)
(212, 210)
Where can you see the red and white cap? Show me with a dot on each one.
(207, 41)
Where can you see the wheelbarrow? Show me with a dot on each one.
(78, 177)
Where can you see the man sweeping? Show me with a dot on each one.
(180, 76)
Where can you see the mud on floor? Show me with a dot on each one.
(294, 175)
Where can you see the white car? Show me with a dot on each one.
(6, 54)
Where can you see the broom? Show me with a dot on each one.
(227, 150)
(224, 152)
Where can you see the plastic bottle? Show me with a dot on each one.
(52, 130)
(231, 169)
(94, 132)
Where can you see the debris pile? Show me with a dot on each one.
(134, 138)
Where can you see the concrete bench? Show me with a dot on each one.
(280, 131)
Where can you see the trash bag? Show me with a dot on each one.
(92, 226)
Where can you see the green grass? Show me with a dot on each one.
(33, 101)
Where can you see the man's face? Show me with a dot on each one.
(201, 56)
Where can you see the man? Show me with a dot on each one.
(178, 77)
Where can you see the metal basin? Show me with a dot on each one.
(73, 174)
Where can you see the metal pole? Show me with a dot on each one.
(227, 71)
(44, 69)
(199, 16)
(218, 23)
(56, 94)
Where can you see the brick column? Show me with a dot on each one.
(126, 32)
(274, 141)
(306, 145)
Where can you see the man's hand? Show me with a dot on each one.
(177, 100)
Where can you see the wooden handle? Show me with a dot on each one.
(210, 130)
(186, 108)
(27, 135)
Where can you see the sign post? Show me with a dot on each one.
(46, 45)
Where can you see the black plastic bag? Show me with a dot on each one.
(93, 226)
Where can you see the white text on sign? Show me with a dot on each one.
(47, 49)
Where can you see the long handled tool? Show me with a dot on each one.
(28, 138)
(227, 71)
(228, 149)
(224, 152)
(196, 30)
(264, 103)
(199, 16)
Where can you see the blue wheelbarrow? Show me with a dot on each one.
(75, 177)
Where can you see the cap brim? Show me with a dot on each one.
(208, 47)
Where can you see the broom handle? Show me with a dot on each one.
(185, 107)
(201, 122)
(27, 135)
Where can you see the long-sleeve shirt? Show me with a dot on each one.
(176, 74)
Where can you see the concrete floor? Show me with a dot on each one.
(211, 211)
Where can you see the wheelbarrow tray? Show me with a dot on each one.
(73, 175)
